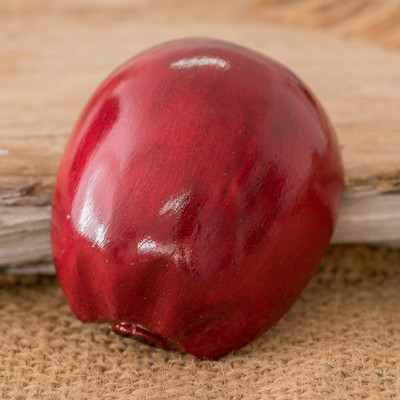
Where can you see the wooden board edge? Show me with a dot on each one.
(369, 215)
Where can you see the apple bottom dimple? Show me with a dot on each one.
(206, 341)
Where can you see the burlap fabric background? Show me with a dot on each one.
(341, 340)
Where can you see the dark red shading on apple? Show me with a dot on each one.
(195, 197)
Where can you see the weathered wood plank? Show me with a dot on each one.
(374, 20)
(54, 54)
(369, 215)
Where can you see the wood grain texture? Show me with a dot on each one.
(54, 54)
(375, 20)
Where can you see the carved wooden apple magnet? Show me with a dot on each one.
(195, 197)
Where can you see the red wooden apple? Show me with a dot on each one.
(195, 198)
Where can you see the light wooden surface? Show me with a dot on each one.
(374, 20)
(54, 54)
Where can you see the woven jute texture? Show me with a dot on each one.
(341, 340)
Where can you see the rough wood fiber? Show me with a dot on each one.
(54, 54)
(375, 20)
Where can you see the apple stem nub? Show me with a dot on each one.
(141, 334)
